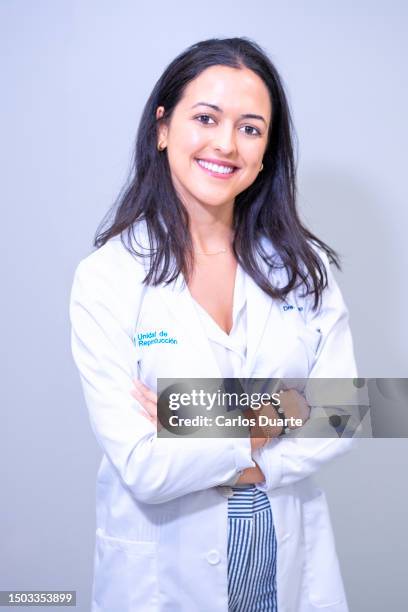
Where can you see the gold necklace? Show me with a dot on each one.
(216, 252)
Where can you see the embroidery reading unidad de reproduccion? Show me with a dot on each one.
(153, 337)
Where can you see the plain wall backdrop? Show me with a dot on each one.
(75, 77)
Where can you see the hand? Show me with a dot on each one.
(294, 406)
(266, 431)
(260, 435)
(251, 475)
(148, 400)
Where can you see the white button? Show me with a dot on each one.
(226, 491)
(213, 557)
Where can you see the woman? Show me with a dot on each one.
(206, 249)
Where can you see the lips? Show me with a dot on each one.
(217, 162)
(216, 168)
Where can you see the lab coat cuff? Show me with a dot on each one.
(243, 454)
(232, 481)
(269, 459)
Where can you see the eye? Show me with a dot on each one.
(254, 132)
(204, 119)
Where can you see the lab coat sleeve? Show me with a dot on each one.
(284, 461)
(155, 470)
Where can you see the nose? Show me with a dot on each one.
(225, 139)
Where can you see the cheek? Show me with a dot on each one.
(247, 180)
(187, 142)
(196, 140)
(252, 162)
(253, 155)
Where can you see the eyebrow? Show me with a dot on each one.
(218, 109)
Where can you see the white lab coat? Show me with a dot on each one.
(161, 538)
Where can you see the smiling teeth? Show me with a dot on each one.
(215, 168)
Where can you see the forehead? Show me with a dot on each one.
(237, 90)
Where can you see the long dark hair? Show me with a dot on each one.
(265, 210)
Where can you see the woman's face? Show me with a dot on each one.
(217, 135)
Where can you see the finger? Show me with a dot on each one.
(141, 386)
(149, 407)
(146, 415)
(153, 420)
(145, 391)
(150, 395)
(142, 399)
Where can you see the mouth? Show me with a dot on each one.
(218, 170)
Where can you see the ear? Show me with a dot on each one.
(162, 128)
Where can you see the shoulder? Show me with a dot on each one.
(109, 283)
(114, 262)
(277, 270)
(332, 304)
(331, 295)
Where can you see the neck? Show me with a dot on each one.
(211, 236)
(211, 228)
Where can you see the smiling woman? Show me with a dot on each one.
(206, 271)
(220, 101)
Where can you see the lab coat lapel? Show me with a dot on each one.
(259, 305)
(178, 299)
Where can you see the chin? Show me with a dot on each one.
(214, 203)
(217, 197)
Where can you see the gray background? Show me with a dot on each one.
(75, 76)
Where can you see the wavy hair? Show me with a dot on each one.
(265, 210)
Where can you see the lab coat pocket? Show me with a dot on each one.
(323, 578)
(311, 339)
(125, 575)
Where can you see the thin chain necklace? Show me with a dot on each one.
(215, 253)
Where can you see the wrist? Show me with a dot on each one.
(251, 476)
(234, 480)
(281, 415)
(270, 427)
